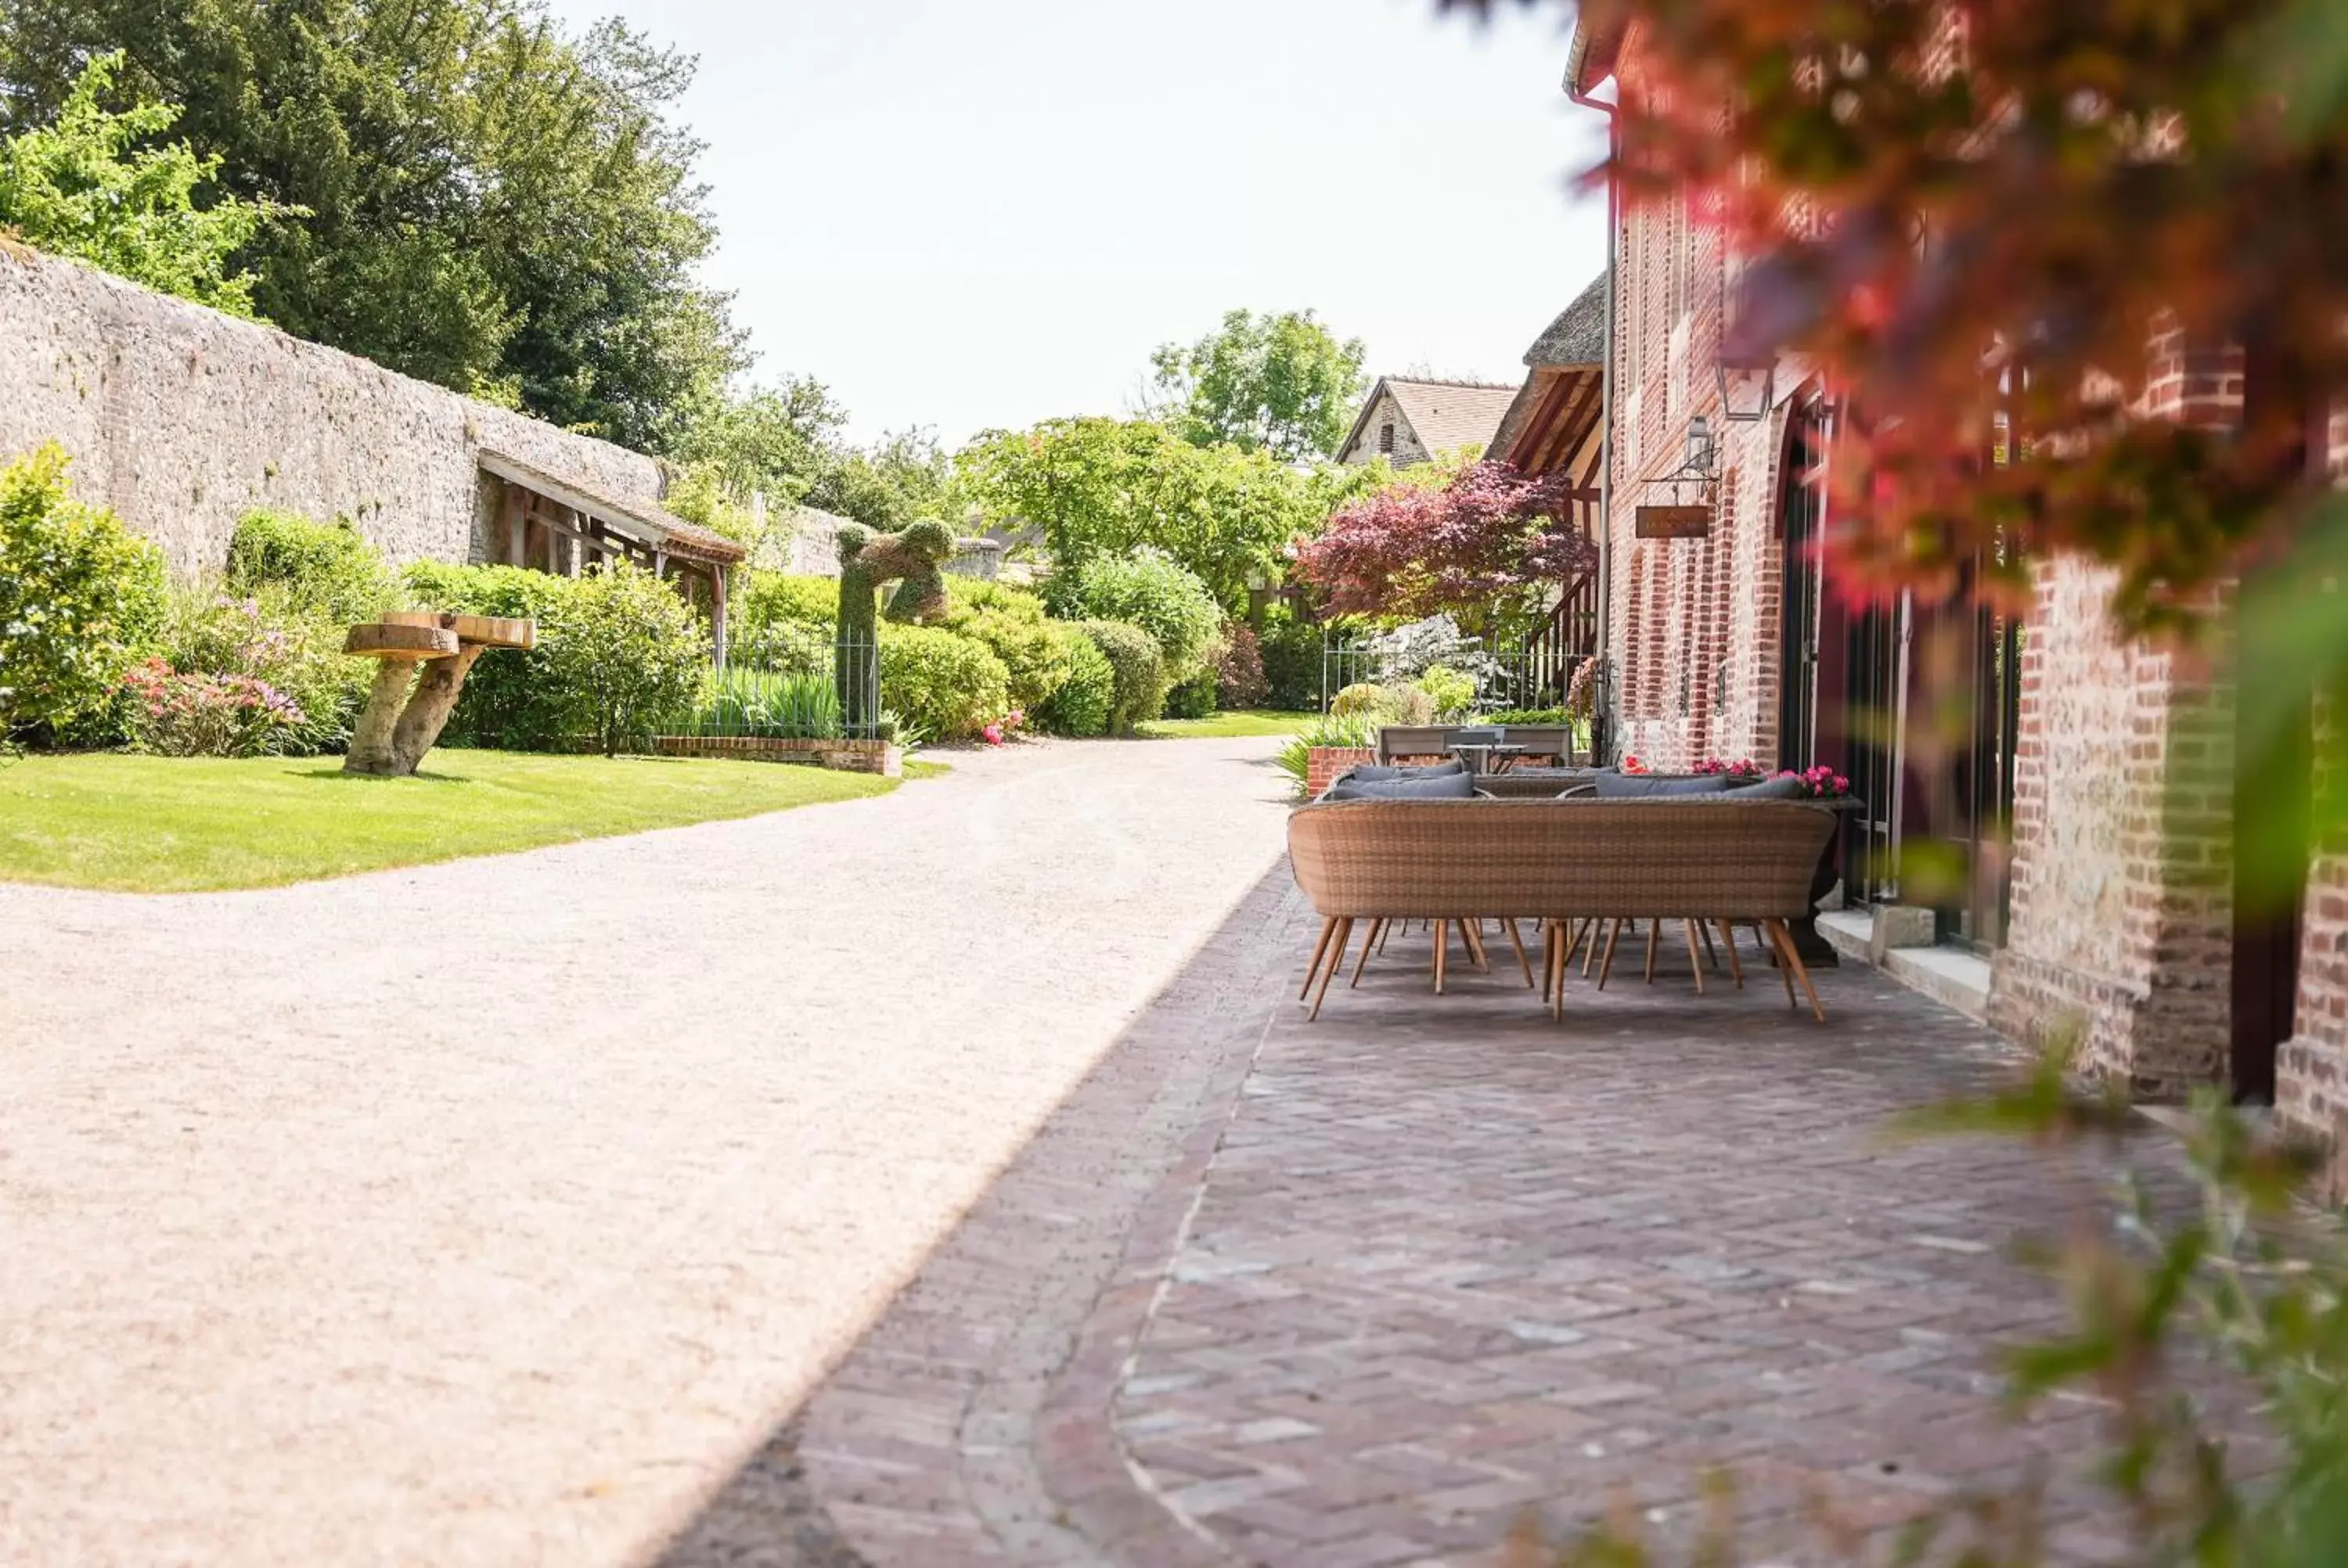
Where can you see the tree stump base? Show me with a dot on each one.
(405, 710)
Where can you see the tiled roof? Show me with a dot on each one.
(1449, 414)
(1578, 336)
(640, 519)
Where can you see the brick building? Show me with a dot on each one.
(2074, 794)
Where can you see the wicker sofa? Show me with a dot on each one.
(1562, 862)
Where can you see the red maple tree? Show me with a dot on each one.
(1491, 540)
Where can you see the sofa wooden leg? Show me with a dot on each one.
(1606, 965)
(1695, 959)
(1471, 936)
(1320, 951)
(1710, 952)
(1336, 962)
(1370, 938)
(1735, 964)
(1517, 941)
(1442, 929)
(1654, 934)
(1800, 971)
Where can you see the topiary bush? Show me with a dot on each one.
(1139, 692)
(1148, 588)
(1082, 704)
(326, 568)
(623, 655)
(80, 599)
(762, 598)
(947, 686)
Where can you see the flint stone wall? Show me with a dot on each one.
(181, 419)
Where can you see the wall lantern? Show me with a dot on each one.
(1701, 454)
(1748, 387)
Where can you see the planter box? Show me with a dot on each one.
(848, 757)
(1323, 764)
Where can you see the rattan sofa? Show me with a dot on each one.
(1561, 862)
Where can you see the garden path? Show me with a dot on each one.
(490, 1213)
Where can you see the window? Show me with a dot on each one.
(1386, 437)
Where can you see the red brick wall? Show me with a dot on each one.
(1322, 764)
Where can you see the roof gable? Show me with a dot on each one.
(1443, 416)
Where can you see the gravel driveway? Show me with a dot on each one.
(489, 1213)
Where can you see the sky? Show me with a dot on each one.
(969, 214)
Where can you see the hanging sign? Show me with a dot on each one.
(1672, 522)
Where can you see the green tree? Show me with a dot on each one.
(1279, 384)
(903, 476)
(1099, 487)
(84, 186)
(492, 204)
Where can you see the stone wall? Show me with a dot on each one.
(181, 419)
(1406, 450)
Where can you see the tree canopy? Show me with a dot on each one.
(1987, 221)
(1278, 384)
(490, 204)
(92, 185)
(1483, 539)
(1099, 486)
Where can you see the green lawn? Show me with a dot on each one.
(163, 824)
(1220, 726)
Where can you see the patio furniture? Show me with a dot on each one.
(1449, 862)
(405, 710)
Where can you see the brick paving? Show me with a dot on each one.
(1377, 1290)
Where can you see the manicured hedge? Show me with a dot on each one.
(949, 687)
(1139, 670)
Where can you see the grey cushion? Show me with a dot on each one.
(1645, 786)
(1371, 773)
(1775, 789)
(1445, 787)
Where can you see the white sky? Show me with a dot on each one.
(967, 213)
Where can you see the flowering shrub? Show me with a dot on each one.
(1002, 728)
(79, 596)
(1451, 691)
(1633, 765)
(1821, 782)
(268, 637)
(200, 715)
(1743, 768)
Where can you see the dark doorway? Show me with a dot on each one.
(2273, 788)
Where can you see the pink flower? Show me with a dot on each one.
(992, 735)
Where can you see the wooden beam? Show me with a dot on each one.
(718, 615)
(513, 526)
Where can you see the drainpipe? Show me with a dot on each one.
(1605, 688)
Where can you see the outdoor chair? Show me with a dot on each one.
(1456, 863)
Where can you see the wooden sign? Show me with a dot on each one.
(1672, 522)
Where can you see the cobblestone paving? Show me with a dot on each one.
(1434, 1265)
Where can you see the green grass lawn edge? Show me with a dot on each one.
(1234, 724)
(121, 822)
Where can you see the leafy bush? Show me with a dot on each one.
(80, 597)
(1365, 697)
(1082, 704)
(784, 648)
(976, 595)
(270, 638)
(950, 687)
(509, 699)
(739, 702)
(622, 654)
(1193, 698)
(765, 596)
(198, 715)
(1522, 716)
(325, 568)
(1149, 589)
(1140, 672)
(1294, 758)
(1036, 652)
(1450, 691)
(1291, 653)
(1239, 680)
